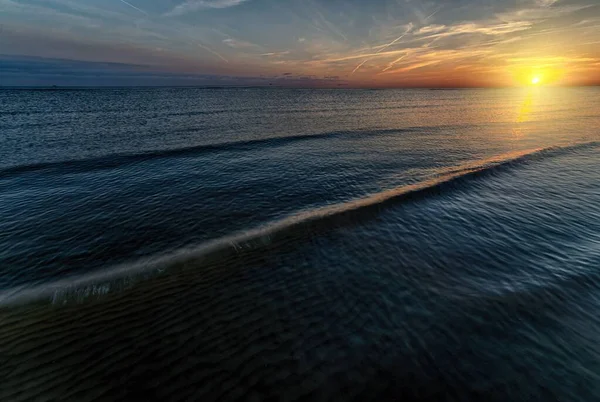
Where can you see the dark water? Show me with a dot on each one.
(254, 244)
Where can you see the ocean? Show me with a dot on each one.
(200, 244)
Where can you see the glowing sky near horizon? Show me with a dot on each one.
(300, 42)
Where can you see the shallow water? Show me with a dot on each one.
(302, 245)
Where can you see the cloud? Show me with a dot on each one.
(473, 28)
(412, 67)
(275, 54)
(194, 5)
(239, 44)
(429, 29)
(546, 12)
(423, 57)
(545, 3)
(552, 60)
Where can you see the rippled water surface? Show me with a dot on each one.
(273, 244)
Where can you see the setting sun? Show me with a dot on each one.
(536, 80)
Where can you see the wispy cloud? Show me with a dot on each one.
(540, 13)
(239, 44)
(414, 66)
(552, 60)
(194, 5)
(430, 29)
(275, 54)
(363, 56)
(476, 28)
(545, 3)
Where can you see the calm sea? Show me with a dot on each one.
(277, 244)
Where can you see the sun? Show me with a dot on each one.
(536, 75)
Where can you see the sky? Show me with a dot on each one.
(300, 43)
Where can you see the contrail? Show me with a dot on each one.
(394, 62)
(359, 66)
(394, 41)
(134, 7)
(383, 48)
(199, 44)
(403, 56)
(432, 14)
(213, 52)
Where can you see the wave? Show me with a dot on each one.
(209, 112)
(295, 226)
(117, 160)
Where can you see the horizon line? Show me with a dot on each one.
(278, 86)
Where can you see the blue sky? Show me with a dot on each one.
(298, 42)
